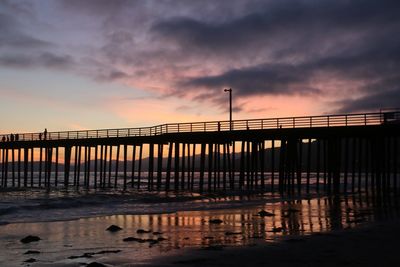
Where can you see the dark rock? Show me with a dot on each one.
(95, 264)
(29, 239)
(161, 239)
(141, 231)
(264, 213)
(215, 221)
(277, 229)
(30, 260)
(32, 252)
(114, 228)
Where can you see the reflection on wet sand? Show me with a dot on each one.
(244, 226)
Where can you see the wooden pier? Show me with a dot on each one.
(334, 153)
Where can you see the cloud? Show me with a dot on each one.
(11, 35)
(273, 23)
(264, 79)
(286, 48)
(47, 60)
(192, 50)
(372, 102)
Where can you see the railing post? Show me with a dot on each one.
(140, 131)
(97, 133)
(365, 119)
(277, 123)
(310, 122)
(262, 124)
(294, 122)
(328, 121)
(204, 126)
(58, 135)
(346, 120)
(87, 134)
(191, 127)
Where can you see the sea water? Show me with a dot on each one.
(72, 222)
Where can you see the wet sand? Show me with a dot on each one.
(327, 231)
(368, 245)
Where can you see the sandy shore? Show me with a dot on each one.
(368, 245)
(295, 233)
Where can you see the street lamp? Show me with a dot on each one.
(230, 107)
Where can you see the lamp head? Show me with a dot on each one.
(228, 90)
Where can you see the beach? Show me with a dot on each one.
(247, 230)
(368, 245)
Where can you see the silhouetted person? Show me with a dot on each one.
(40, 136)
(3, 139)
(45, 133)
(12, 137)
(16, 137)
(8, 139)
(219, 126)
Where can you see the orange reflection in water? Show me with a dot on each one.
(61, 240)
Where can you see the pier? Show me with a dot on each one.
(334, 153)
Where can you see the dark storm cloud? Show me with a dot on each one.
(295, 42)
(281, 19)
(265, 79)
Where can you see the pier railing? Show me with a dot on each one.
(363, 119)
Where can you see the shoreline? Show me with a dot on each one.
(371, 244)
(190, 238)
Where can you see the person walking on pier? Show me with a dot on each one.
(45, 133)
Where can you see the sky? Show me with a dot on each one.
(89, 64)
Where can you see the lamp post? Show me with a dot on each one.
(230, 107)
